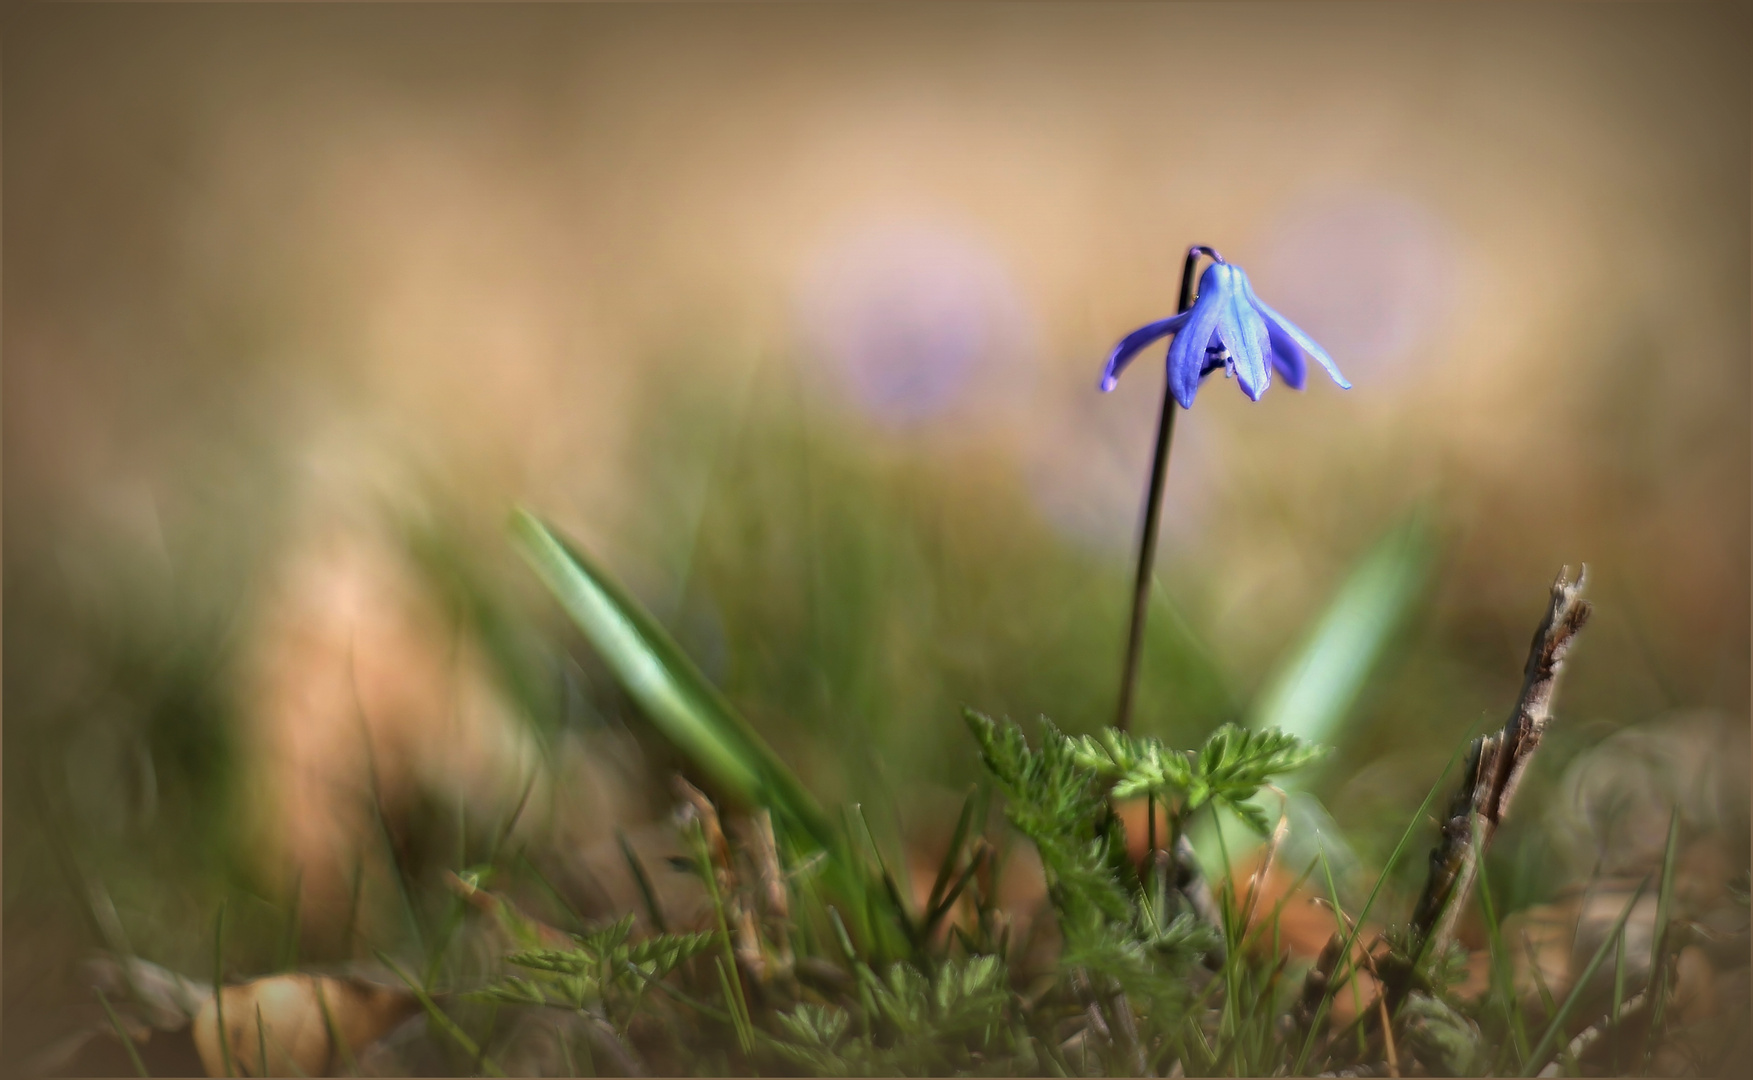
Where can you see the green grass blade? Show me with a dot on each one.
(1556, 1027)
(375, 790)
(577, 922)
(948, 865)
(1665, 894)
(668, 688)
(646, 893)
(261, 1042)
(338, 1045)
(727, 981)
(1272, 917)
(439, 1017)
(354, 895)
(504, 833)
(947, 902)
(890, 889)
(1547, 1001)
(566, 1056)
(219, 991)
(727, 964)
(122, 1033)
(1345, 962)
(1312, 692)
(288, 958)
(1618, 993)
(1340, 927)
(1659, 940)
(1503, 981)
(487, 1036)
(1309, 696)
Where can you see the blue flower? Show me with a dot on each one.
(1229, 328)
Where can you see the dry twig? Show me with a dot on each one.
(1495, 766)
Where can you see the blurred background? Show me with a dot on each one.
(793, 317)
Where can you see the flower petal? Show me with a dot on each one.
(1290, 330)
(1288, 357)
(1187, 351)
(1132, 343)
(1244, 333)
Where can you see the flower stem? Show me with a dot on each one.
(1159, 471)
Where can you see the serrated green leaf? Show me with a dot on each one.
(1235, 762)
(1252, 816)
(658, 956)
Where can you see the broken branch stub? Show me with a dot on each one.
(1496, 764)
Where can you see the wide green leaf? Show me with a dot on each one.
(666, 685)
(1310, 695)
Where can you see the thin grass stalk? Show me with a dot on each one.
(377, 814)
(487, 1035)
(890, 889)
(261, 1042)
(1659, 940)
(219, 991)
(1343, 926)
(947, 903)
(1502, 972)
(1344, 966)
(1618, 993)
(647, 895)
(504, 832)
(947, 866)
(733, 987)
(444, 1022)
(290, 1062)
(552, 890)
(1577, 986)
(1272, 917)
(355, 893)
(1225, 902)
(727, 981)
(1388, 1036)
(122, 1033)
(287, 958)
(337, 1045)
(566, 1057)
(1547, 1001)
(455, 909)
(1260, 873)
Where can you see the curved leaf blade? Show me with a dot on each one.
(665, 684)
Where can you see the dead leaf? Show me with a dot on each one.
(284, 1016)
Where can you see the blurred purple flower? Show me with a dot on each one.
(1373, 273)
(1227, 327)
(913, 316)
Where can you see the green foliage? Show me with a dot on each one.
(1234, 764)
(667, 686)
(1447, 968)
(1056, 802)
(1443, 1040)
(1135, 766)
(603, 967)
(953, 1021)
(1058, 796)
(1126, 933)
(1311, 694)
(1229, 769)
(813, 1038)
